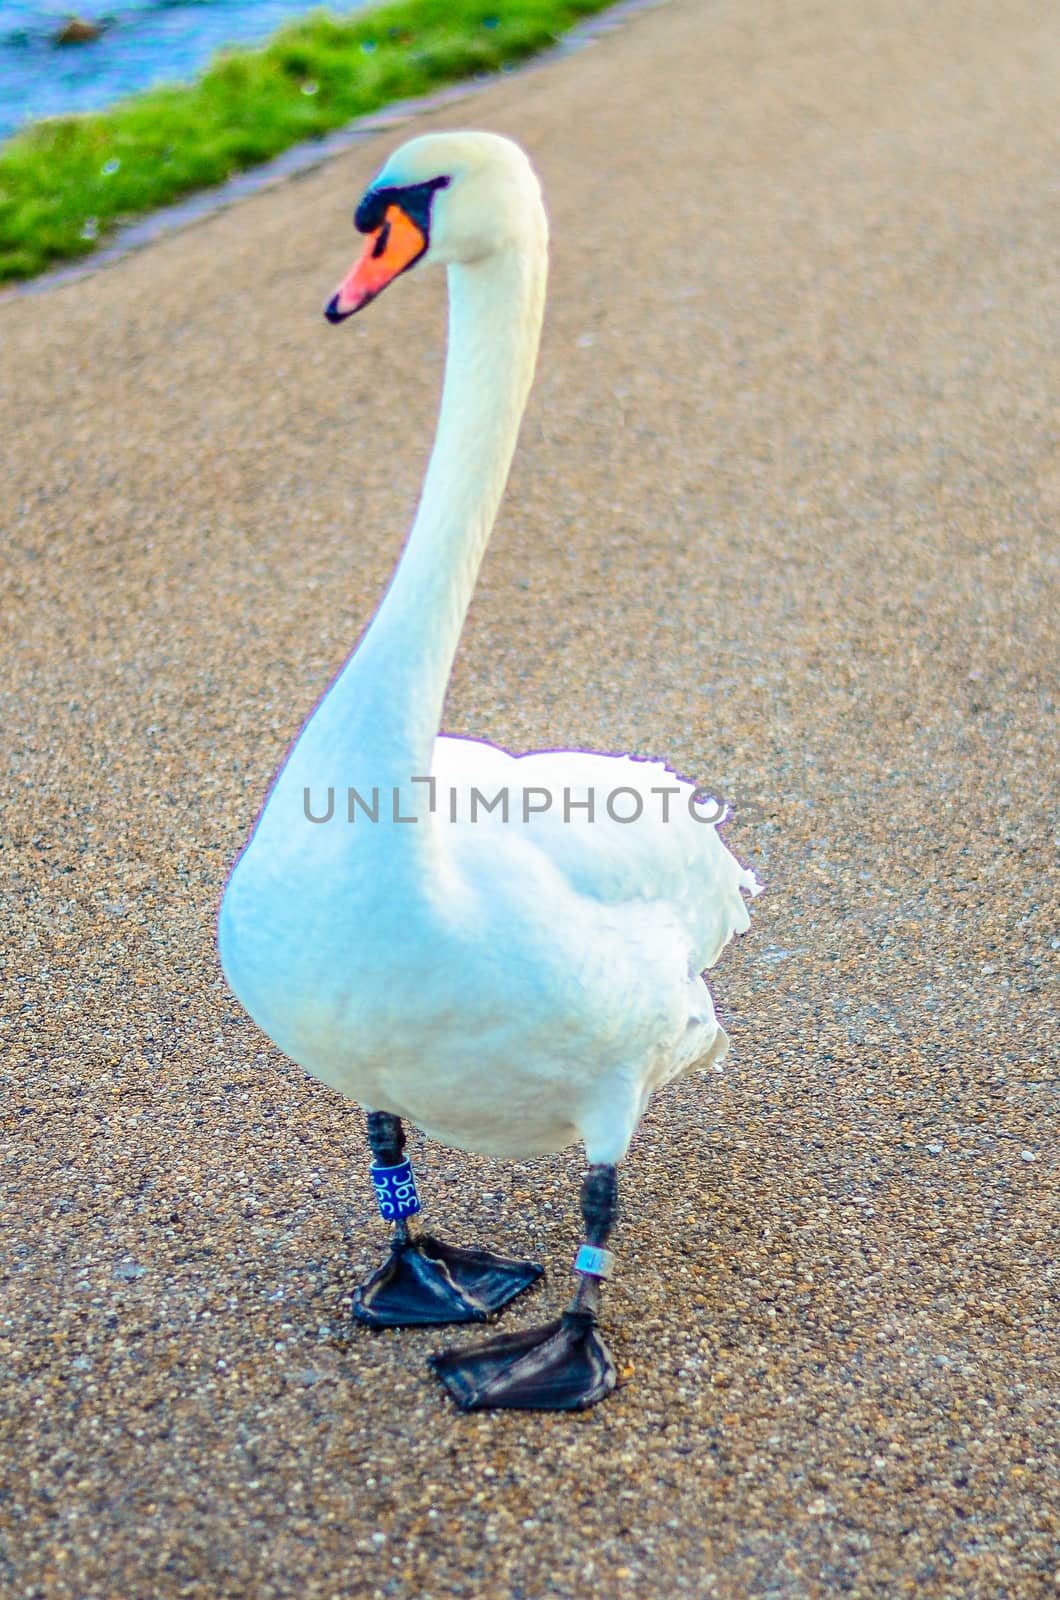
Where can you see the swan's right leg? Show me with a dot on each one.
(425, 1280)
(563, 1365)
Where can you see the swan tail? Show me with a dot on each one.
(705, 1044)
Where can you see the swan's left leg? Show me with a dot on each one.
(564, 1365)
(424, 1280)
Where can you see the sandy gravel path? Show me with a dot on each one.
(784, 511)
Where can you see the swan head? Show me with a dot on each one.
(450, 198)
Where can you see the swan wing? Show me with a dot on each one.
(618, 830)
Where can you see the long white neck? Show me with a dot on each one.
(385, 707)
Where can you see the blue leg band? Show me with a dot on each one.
(593, 1260)
(395, 1191)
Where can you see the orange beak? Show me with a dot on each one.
(388, 252)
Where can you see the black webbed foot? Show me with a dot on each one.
(562, 1366)
(427, 1282)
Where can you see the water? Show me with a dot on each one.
(144, 42)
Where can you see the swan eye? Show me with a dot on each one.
(414, 199)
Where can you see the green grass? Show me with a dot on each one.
(66, 183)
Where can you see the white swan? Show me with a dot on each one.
(510, 984)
